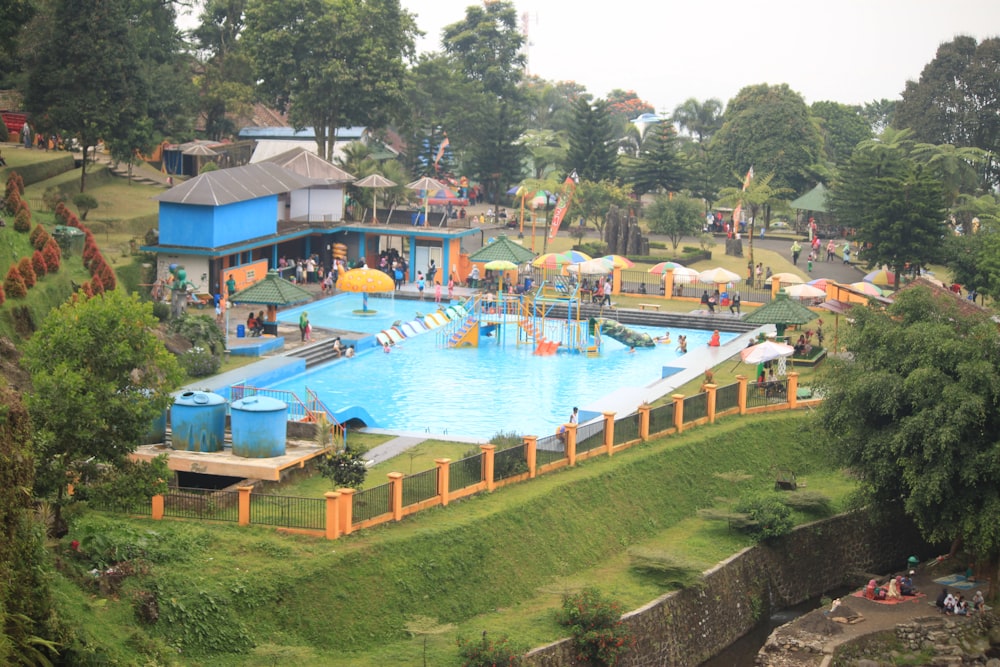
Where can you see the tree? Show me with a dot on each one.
(755, 197)
(591, 152)
(592, 201)
(770, 129)
(331, 63)
(660, 166)
(958, 169)
(345, 467)
(100, 377)
(699, 119)
(896, 206)
(912, 411)
(226, 82)
(14, 15)
(87, 84)
(843, 127)
(84, 203)
(957, 98)
(676, 217)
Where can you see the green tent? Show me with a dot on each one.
(814, 200)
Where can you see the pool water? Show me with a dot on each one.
(477, 392)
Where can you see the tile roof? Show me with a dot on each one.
(502, 248)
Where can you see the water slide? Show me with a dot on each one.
(624, 335)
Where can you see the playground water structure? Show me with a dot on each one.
(500, 384)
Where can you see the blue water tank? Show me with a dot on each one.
(198, 422)
(157, 430)
(259, 424)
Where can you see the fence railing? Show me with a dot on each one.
(297, 410)
(344, 510)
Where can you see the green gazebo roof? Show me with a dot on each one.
(273, 290)
(502, 248)
(782, 310)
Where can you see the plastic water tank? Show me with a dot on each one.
(198, 422)
(259, 424)
(157, 430)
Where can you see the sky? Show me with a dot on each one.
(848, 51)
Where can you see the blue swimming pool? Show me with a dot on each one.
(475, 391)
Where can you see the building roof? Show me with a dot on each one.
(310, 165)
(781, 310)
(228, 186)
(272, 290)
(304, 134)
(502, 248)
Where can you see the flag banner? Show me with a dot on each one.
(562, 206)
(440, 153)
(749, 177)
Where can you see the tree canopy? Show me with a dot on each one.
(914, 413)
(591, 150)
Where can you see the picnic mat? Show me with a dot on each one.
(958, 581)
(905, 598)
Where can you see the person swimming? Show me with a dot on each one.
(665, 338)
(682, 344)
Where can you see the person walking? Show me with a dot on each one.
(303, 325)
(607, 293)
(734, 305)
(796, 251)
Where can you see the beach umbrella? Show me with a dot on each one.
(866, 288)
(803, 291)
(500, 265)
(769, 350)
(881, 277)
(599, 266)
(821, 283)
(365, 281)
(375, 181)
(200, 150)
(551, 260)
(787, 278)
(718, 276)
(425, 186)
(661, 268)
(575, 256)
(685, 276)
(620, 262)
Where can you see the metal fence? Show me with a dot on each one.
(297, 410)
(465, 472)
(727, 397)
(288, 511)
(589, 436)
(202, 504)
(420, 487)
(767, 393)
(510, 462)
(371, 503)
(661, 418)
(635, 281)
(696, 407)
(627, 429)
(548, 449)
(141, 507)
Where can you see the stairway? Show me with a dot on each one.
(316, 354)
(467, 324)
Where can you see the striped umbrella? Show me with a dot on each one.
(866, 288)
(620, 262)
(662, 267)
(551, 260)
(821, 282)
(881, 277)
(575, 256)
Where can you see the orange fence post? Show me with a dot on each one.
(531, 454)
(710, 390)
(346, 510)
(396, 497)
(444, 467)
(489, 451)
(668, 284)
(644, 421)
(609, 432)
(741, 396)
(332, 512)
(571, 443)
(244, 508)
(793, 390)
(157, 506)
(678, 411)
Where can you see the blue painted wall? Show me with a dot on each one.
(186, 226)
(191, 226)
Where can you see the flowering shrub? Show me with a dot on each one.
(199, 362)
(595, 623)
(487, 652)
(38, 264)
(27, 272)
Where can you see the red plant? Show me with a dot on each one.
(86, 289)
(27, 272)
(3, 297)
(38, 264)
(22, 221)
(107, 276)
(52, 255)
(14, 285)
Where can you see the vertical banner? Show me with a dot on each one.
(440, 152)
(565, 198)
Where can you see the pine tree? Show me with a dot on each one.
(592, 151)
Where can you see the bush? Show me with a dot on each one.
(22, 221)
(769, 516)
(809, 502)
(38, 264)
(53, 199)
(595, 623)
(487, 652)
(52, 255)
(129, 486)
(593, 248)
(200, 330)
(14, 284)
(344, 468)
(85, 203)
(27, 272)
(161, 311)
(199, 362)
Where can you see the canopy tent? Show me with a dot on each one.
(814, 200)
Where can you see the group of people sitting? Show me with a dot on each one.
(897, 587)
(255, 324)
(955, 603)
(803, 348)
(341, 350)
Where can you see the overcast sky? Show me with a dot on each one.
(849, 51)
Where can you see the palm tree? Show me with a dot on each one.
(756, 197)
(958, 168)
(699, 119)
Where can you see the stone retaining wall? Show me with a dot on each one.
(687, 627)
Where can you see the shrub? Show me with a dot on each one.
(200, 330)
(199, 362)
(52, 255)
(595, 623)
(487, 652)
(344, 468)
(27, 272)
(14, 285)
(53, 199)
(85, 203)
(161, 311)
(42, 239)
(38, 264)
(4, 132)
(808, 502)
(769, 516)
(3, 297)
(22, 221)
(128, 486)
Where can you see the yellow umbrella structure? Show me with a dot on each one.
(500, 265)
(365, 281)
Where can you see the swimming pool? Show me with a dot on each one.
(478, 391)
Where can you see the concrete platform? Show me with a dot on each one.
(297, 453)
(256, 346)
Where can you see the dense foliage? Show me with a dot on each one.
(595, 624)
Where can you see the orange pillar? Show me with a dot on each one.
(668, 283)
(644, 421)
(609, 432)
(678, 411)
(157, 506)
(710, 390)
(332, 515)
(741, 397)
(571, 443)
(775, 287)
(793, 390)
(488, 453)
(616, 281)
(244, 505)
(531, 454)
(346, 510)
(396, 495)
(443, 488)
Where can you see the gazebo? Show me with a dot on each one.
(781, 312)
(272, 291)
(503, 249)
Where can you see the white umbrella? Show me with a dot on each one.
(685, 276)
(787, 278)
(592, 267)
(804, 291)
(718, 276)
(767, 351)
